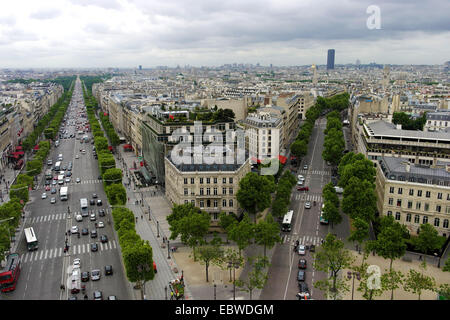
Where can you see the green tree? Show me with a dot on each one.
(359, 199)
(416, 282)
(267, 233)
(257, 278)
(331, 257)
(5, 241)
(447, 265)
(299, 148)
(112, 175)
(444, 291)
(117, 195)
(360, 231)
(367, 286)
(331, 213)
(392, 280)
(19, 191)
(226, 221)
(210, 254)
(358, 166)
(242, 233)
(428, 239)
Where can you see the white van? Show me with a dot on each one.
(60, 157)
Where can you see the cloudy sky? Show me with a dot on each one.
(127, 33)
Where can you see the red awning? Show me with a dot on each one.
(18, 148)
(19, 153)
(128, 146)
(105, 114)
(282, 159)
(36, 147)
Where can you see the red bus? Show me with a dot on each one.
(10, 274)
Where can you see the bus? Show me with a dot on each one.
(10, 274)
(58, 166)
(32, 241)
(322, 220)
(287, 221)
(48, 174)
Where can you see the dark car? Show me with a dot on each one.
(85, 276)
(112, 298)
(84, 213)
(103, 238)
(47, 182)
(99, 202)
(108, 270)
(68, 173)
(303, 287)
(100, 178)
(53, 191)
(98, 295)
(92, 202)
(101, 212)
(303, 188)
(302, 264)
(85, 231)
(312, 248)
(301, 275)
(94, 247)
(94, 195)
(93, 233)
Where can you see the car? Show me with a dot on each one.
(100, 224)
(99, 202)
(68, 173)
(47, 188)
(85, 213)
(72, 298)
(301, 275)
(308, 205)
(50, 162)
(312, 248)
(60, 182)
(79, 218)
(300, 177)
(101, 212)
(112, 298)
(85, 231)
(94, 195)
(64, 168)
(67, 179)
(108, 270)
(94, 234)
(94, 247)
(95, 275)
(54, 182)
(92, 217)
(302, 264)
(55, 178)
(303, 287)
(103, 238)
(53, 200)
(92, 202)
(78, 180)
(77, 156)
(300, 182)
(47, 182)
(302, 188)
(100, 177)
(53, 191)
(301, 250)
(305, 167)
(83, 151)
(74, 229)
(98, 295)
(44, 196)
(76, 263)
(85, 276)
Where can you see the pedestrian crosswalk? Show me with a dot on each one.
(59, 252)
(316, 172)
(302, 196)
(59, 216)
(305, 240)
(73, 182)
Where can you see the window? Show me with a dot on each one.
(391, 190)
(400, 190)
(408, 217)
(411, 192)
(215, 203)
(399, 202)
(224, 180)
(447, 209)
(418, 205)
(230, 191)
(216, 215)
(426, 206)
(201, 180)
(185, 180)
(193, 202)
(230, 203)
(201, 191)
(397, 216)
(425, 219)
(224, 190)
(419, 193)
(215, 191)
(208, 180)
(438, 208)
(202, 203)
(448, 196)
(439, 196)
(185, 191)
(391, 201)
(186, 201)
(445, 224)
(224, 203)
(416, 218)
(231, 180)
(428, 194)
(389, 213)
(215, 180)
(208, 191)
(436, 222)
(409, 204)
(192, 181)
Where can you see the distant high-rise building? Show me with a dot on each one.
(330, 59)
(140, 67)
(358, 62)
(314, 79)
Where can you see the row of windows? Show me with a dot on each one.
(208, 180)
(213, 204)
(418, 205)
(419, 193)
(208, 191)
(437, 221)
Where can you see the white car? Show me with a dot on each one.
(100, 224)
(74, 229)
(79, 218)
(78, 180)
(53, 200)
(44, 196)
(308, 205)
(77, 156)
(77, 263)
(92, 217)
(300, 182)
(301, 250)
(305, 167)
(67, 179)
(300, 177)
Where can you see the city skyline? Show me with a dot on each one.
(128, 33)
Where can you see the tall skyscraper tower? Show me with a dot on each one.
(314, 70)
(330, 59)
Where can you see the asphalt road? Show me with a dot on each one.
(44, 270)
(282, 282)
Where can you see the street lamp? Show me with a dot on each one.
(168, 249)
(165, 292)
(233, 264)
(215, 286)
(141, 268)
(352, 275)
